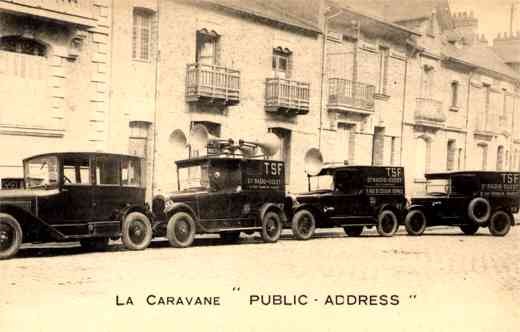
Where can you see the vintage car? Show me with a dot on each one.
(351, 197)
(86, 197)
(466, 199)
(224, 195)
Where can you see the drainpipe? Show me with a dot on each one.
(156, 103)
(467, 120)
(401, 148)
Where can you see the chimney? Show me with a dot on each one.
(467, 25)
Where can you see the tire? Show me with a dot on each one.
(387, 223)
(94, 243)
(230, 237)
(353, 231)
(11, 236)
(500, 223)
(303, 225)
(469, 229)
(181, 230)
(136, 231)
(479, 210)
(271, 227)
(415, 222)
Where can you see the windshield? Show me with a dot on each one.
(437, 186)
(194, 178)
(41, 172)
(322, 182)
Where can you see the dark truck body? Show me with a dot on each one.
(451, 206)
(68, 202)
(358, 196)
(237, 195)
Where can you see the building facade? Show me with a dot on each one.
(54, 77)
(366, 83)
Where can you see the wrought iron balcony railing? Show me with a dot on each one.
(212, 84)
(283, 95)
(346, 95)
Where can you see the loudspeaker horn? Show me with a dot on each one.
(269, 143)
(178, 139)
(313, 161)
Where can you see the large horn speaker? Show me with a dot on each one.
(269, 143)
(178, 139)
(313, 161)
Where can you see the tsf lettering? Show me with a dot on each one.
(274, 169)
(510, 178)
(393, 172)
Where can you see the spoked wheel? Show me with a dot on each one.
(415, 222)
(303, 225)
(136, 231)
(230, 237)
(500, 223)
(469, 229)
(271, 227)
(181, 230)
(10, 236)
(353, 231)
(94, 244)
(387, 223)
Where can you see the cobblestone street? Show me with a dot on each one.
(445, 282)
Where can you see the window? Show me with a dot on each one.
(450, 159)
(194, 178)
(487, 103)
(500, 158)
(142, 34)
(427, 82)
(383, 69)
(459, 159)
(282, 63)
(284, 153)
(131, 172)
(107, 171)
(207, 48)
(41, 172)
(348, 182)
(378, 146)
(482, 155)
(393, 152)
(138, 140)
(454, 94)
(422, 157)
(76, 171)
(22, 45)
(345, 143)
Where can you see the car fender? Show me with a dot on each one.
(272, 207)
(30, 223)
(179, 207)
(388, 206)
(135, 208)
(313, 209)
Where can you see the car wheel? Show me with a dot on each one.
(387, 223)
(479, 210)
(181, 230)
(94, 243)
(10, 236)
(136, 231)
(303, 225)
(353, 231)
(469, 229)
(500, 223)
(230, 237)
(271, 227)
(415, 222)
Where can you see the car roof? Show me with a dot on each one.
(82, 154)
(444, 175)
(328, 169)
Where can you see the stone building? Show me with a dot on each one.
(54, 69)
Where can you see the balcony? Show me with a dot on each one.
(349, 96)
(287, 96)
(212, 84)
(485, 126)
(78, 12)
(428, 113)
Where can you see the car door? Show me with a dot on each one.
(107, 197)
(345, 201)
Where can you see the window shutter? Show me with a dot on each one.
(218, 51)
(289, 65)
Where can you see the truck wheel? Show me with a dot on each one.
(94, 243)
(136, 231)
(387, 223)
(303, 225)
(353, 231)
(469, 229)
(500, 223)
(271, 227)
(181, 230)
(479, 210)
(230, 237)
(415, 222)
(10, 236)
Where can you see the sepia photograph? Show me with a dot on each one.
(259, 165)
